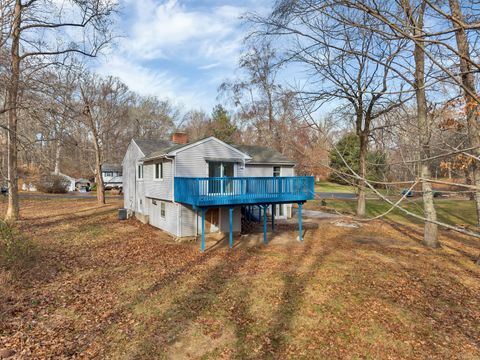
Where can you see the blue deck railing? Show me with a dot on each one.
(243, 190)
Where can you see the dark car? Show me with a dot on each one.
(4, 190)
(407, 193)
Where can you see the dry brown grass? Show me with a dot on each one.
(99, 287)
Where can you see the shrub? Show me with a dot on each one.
(14, 249)
(53, 184)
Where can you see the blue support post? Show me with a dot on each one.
(265, 241)
(230, 210)
(203, 229)
(300, 222)
(273, 217)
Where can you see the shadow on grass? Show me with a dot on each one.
(295, 284)
(416, 235)
(58, 220)
(189, 306)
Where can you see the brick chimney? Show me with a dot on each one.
(179, 138)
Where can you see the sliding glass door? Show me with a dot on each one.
(220, 169)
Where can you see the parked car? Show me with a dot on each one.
(4, 190)
(407, 193)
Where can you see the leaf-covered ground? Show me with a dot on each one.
(98, 287)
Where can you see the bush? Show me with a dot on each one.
(52, 184)
(14, 250)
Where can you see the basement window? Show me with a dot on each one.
(162, 210)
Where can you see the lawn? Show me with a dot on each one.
(454, 212)
(99, 287)
(326, 186)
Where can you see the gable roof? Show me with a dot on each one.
(264, 155)
(150, 146)
(111, 167)
(174, 148)
(153, 149)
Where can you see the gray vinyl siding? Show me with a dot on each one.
(132, 189)
(191, 222)
(225, 221)
(159, 189)
(188, 221)
(267, 170)
(259, 170)
(169, 223)
(287, 171)
(192, 162)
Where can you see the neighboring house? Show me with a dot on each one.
(70, 181)
(207, 186)
(112, 176)
(82, 185)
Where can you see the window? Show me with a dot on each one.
(154, 202)
(219, 170)
(158, 173)
(107, 174)
(140, 172)
(162, 210)
(276, 171)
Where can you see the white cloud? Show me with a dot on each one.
(145, 81)
(169, 29)
(176, 51)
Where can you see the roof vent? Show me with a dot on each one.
(179, 138)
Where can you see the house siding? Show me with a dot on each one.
(132, 188)
(188, 221)
(267, 170)
(225, 220)
(169, 223)
(192, 162)
(159, 189)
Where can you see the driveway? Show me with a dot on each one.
(335, 195)
(74, 195)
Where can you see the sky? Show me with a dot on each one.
(179, 49)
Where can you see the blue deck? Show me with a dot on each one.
(224, 191)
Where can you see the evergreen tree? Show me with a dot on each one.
(222, 126)
(349, 148)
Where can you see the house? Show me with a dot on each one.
(205, 186)
(112, 176)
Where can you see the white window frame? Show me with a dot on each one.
(139, 171)
(160, 171)
(163, 209)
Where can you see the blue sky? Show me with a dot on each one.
(179, 49)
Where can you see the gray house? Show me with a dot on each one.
(205, 186)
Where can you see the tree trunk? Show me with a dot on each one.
(430, 235)
(472, 105)
(13, 210)
(362, 171)
(98, 175)
(57, 157)
(98, 156)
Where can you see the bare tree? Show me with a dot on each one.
(344, 64)
(470, 92)
(41, 33)
(105, 103)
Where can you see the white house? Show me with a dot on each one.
(187, 189)
(112, 176)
